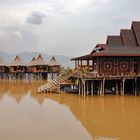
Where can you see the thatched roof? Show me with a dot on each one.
(2, 62)
(17, 62)
(40, 60)
(33, 62)
(53, 62)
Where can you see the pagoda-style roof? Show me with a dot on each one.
(128, 37)
(84, 57)
(136, 28)
(40, 60)
(2, 62)
(17, 62)
(53, 62)
(113, 50)
(114, 40)
(125, 44)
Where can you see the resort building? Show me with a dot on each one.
(17, 68)
(54, 67)
(38, 67)
(112, 67)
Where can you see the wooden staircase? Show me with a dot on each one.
(53, 85)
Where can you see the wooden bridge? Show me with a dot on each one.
(55, 85)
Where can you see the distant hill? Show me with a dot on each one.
(27, 57)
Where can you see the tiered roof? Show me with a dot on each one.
(125, 44)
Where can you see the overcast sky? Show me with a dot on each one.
(67, 27)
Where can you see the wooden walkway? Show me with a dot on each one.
(55, 85)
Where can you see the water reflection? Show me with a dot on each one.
(28, 115)
(113, 117)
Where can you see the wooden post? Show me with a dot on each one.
(92, 88)
(99, 86)
(81, 64)
(117, 88)
(75, 63)
(103, 90)
(79, 87)
(87, 87)
(123, 86)
(84, 88)
(135, 86)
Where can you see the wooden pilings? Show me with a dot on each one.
(92, 87)
(101, 87)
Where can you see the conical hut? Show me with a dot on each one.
(54, 66)
(32, 65)
(39, 67)
(17, 68)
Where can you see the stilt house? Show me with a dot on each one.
(17, 68)
(118, 59)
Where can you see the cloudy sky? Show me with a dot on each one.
(67, 27)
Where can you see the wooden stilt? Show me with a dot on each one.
(79, 87)
(99, 86)
(123, 86)
(87, 87)
(92, 88)
(84, 88)
(117, 88)
(103, 87)
(135, 86)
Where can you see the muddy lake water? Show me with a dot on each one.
(26, 115)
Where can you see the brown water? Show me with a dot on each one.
(26, 115)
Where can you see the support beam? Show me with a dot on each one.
(87, 87)
(103, 87)
(92, 87)
(123, 86)
(79, 87)
(84, 88)
(82, 85)
(135, 86)
(99, 86)
(117, 87)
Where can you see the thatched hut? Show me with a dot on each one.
(17, 65)
(38, 67)
(17, 68)
(54, 66)
(32, 65)
(41, 64)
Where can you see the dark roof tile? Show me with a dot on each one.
(136, 28)
(114, 40)
(128, 37)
